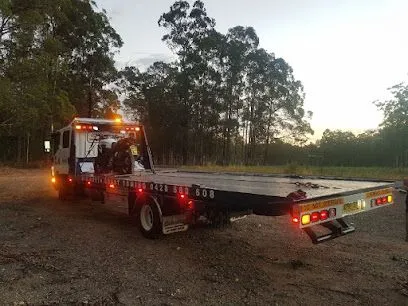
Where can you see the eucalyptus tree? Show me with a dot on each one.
(394, 127)
(191, 35)
(240, 43)
(223, 95)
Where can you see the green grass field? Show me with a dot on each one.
(346, 172)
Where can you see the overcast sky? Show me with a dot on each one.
(345, 52)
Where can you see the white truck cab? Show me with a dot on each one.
(76, 147)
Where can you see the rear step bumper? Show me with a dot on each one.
(337, 228)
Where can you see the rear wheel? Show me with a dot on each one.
(150, 220)
(62, 192)
(68, 190)
(97, 196)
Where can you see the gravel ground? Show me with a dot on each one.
(84, 253)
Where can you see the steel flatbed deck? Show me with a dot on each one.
(257, 184)
(262, 194)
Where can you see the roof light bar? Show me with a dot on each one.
(86, 127)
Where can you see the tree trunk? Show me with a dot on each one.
(90, 98)
(19, 149)
(224, 145)
(28, 148)
(228, 141)
(268, 131)
(90, 103)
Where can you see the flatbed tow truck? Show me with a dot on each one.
(110, 161)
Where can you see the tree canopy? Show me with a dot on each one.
(223, 99)
(220, 99)
(56, 57)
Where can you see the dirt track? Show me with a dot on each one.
(73, 253)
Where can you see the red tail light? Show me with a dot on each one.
(184, 201)
(112, 186)
(70, 179)
(140, 190)
(324, 214)
(314, 217)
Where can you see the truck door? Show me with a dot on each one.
(62, 154)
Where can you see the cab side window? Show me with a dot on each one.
(65, 139)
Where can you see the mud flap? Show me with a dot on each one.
(337, 228)
(174, 224)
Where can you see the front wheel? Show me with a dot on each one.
(150, 220)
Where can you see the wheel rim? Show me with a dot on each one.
(146, 217)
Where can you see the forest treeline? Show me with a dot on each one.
(56, 58)
(222, 100)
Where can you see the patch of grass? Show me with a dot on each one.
(294, 169)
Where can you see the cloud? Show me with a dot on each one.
(144, 62)
(116, 12)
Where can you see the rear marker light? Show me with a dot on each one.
(53, 180)
(389, 198)
(315, 217)
(295, 220)
(182, 196)
(189, 204)
(70, 180)
(305, 219)
(88, 183)
(140, 190)
(324, 214)
(112, 186)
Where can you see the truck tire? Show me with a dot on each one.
(62, 193)
(149, 219)
(97, 196)
(67, 191)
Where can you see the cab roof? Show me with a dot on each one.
(96, 121)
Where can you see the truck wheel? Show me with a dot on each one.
(150, 220)
(62, 193)
(97, 196)
(66, 192)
